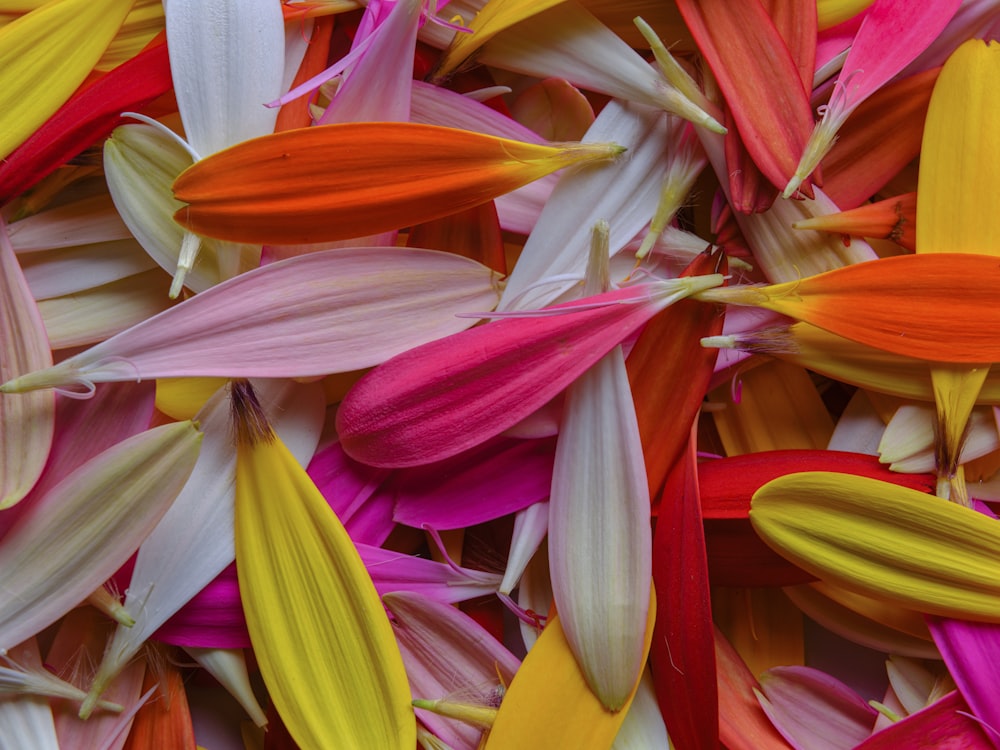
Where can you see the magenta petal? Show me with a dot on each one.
(442, 582)
(352, 491)
(971, 650)
(213, 618)
(497, 478)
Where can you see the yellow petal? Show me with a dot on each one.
(324, 644)
(884, 541)
(45, 55)
(960, 156)
(550, 705)
(959, 168)
(494, 17)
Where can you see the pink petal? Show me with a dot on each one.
(331, 311)
(492, 480)
(813, 710)
(353, 492)
(437, 400)
(26, 423)
(971, 650)
(447, 651)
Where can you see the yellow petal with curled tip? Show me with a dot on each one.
(884, 541)
(324, 644)
(45, 55)
(549, 704)
(494, 17)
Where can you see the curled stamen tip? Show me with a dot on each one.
(178, 282)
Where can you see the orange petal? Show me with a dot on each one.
(892, 219)
(336, 182)
(938, 306)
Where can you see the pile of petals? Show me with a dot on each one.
(398, 374)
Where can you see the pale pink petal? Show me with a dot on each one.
(377, 86)
(26, 424)
(447, 651)
(893, 33)
(443, 582)
(85, 428)
(331, 311)
(813, 710)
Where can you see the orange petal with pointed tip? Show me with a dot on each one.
(336, 182)
(938, 306)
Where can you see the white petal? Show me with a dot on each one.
(227, 58)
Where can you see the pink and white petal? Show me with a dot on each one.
(892, 35)
(442, 582)
(530, 527)
(600, 543)
(27, 425)
(227, 59)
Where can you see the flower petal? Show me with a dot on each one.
(26, 426)
(323, 642)
(363, 178)
(280, 321)
(935, 306)
(99, 515)
(45, 55)
(884, 541)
